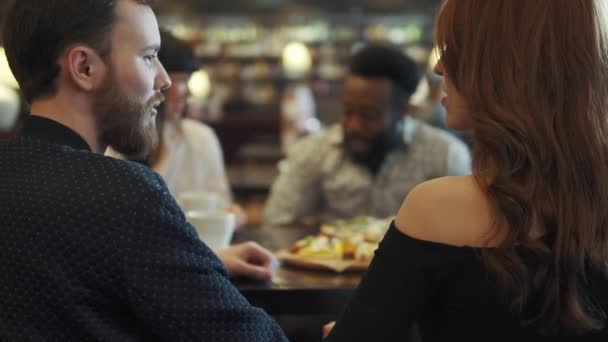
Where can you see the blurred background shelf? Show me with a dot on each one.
(254, 54)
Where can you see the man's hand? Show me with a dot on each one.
(250, 260)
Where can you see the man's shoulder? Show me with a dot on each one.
(435, 133)
(133, 189)
(82, 185)
(316, 143)
(129, 172)
(430, 135)
(82, 170)
(109, 169)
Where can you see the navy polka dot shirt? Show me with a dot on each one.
(96, 249)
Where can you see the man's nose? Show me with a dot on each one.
(163, 81)
(353, 122)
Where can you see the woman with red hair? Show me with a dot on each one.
(519, 250)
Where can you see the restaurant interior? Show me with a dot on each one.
(253, 55)
(271, 73)
(303, 170)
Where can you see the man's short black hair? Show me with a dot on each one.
(37, 32)
(176, 55)
(385, 61)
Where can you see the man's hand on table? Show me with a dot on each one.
(250, 260)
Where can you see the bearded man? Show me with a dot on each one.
(367, 163)
(94, 248)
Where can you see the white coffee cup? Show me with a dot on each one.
(215, 228)
(199, 201)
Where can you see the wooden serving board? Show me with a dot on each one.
(337, 266)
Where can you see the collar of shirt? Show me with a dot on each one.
(39, 128)
(408, 127)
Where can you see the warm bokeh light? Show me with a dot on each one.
(200, 84)
(6, 76)
(433, 59)
(396, 35)
(296, 59)
(9, 108)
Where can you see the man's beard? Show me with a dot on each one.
(374, 154)
(124, 123)
(378, 148)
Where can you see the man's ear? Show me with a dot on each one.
(84, 67)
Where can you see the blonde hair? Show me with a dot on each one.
(535, 76)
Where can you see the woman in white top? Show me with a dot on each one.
(188, 156)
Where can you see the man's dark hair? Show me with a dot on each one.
(176, 55)
(37, 32)
(385, 61)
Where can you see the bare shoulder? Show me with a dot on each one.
(449, 210)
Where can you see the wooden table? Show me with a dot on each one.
(295, 290)
(300, 300)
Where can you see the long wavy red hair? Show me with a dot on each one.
(535, 76)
